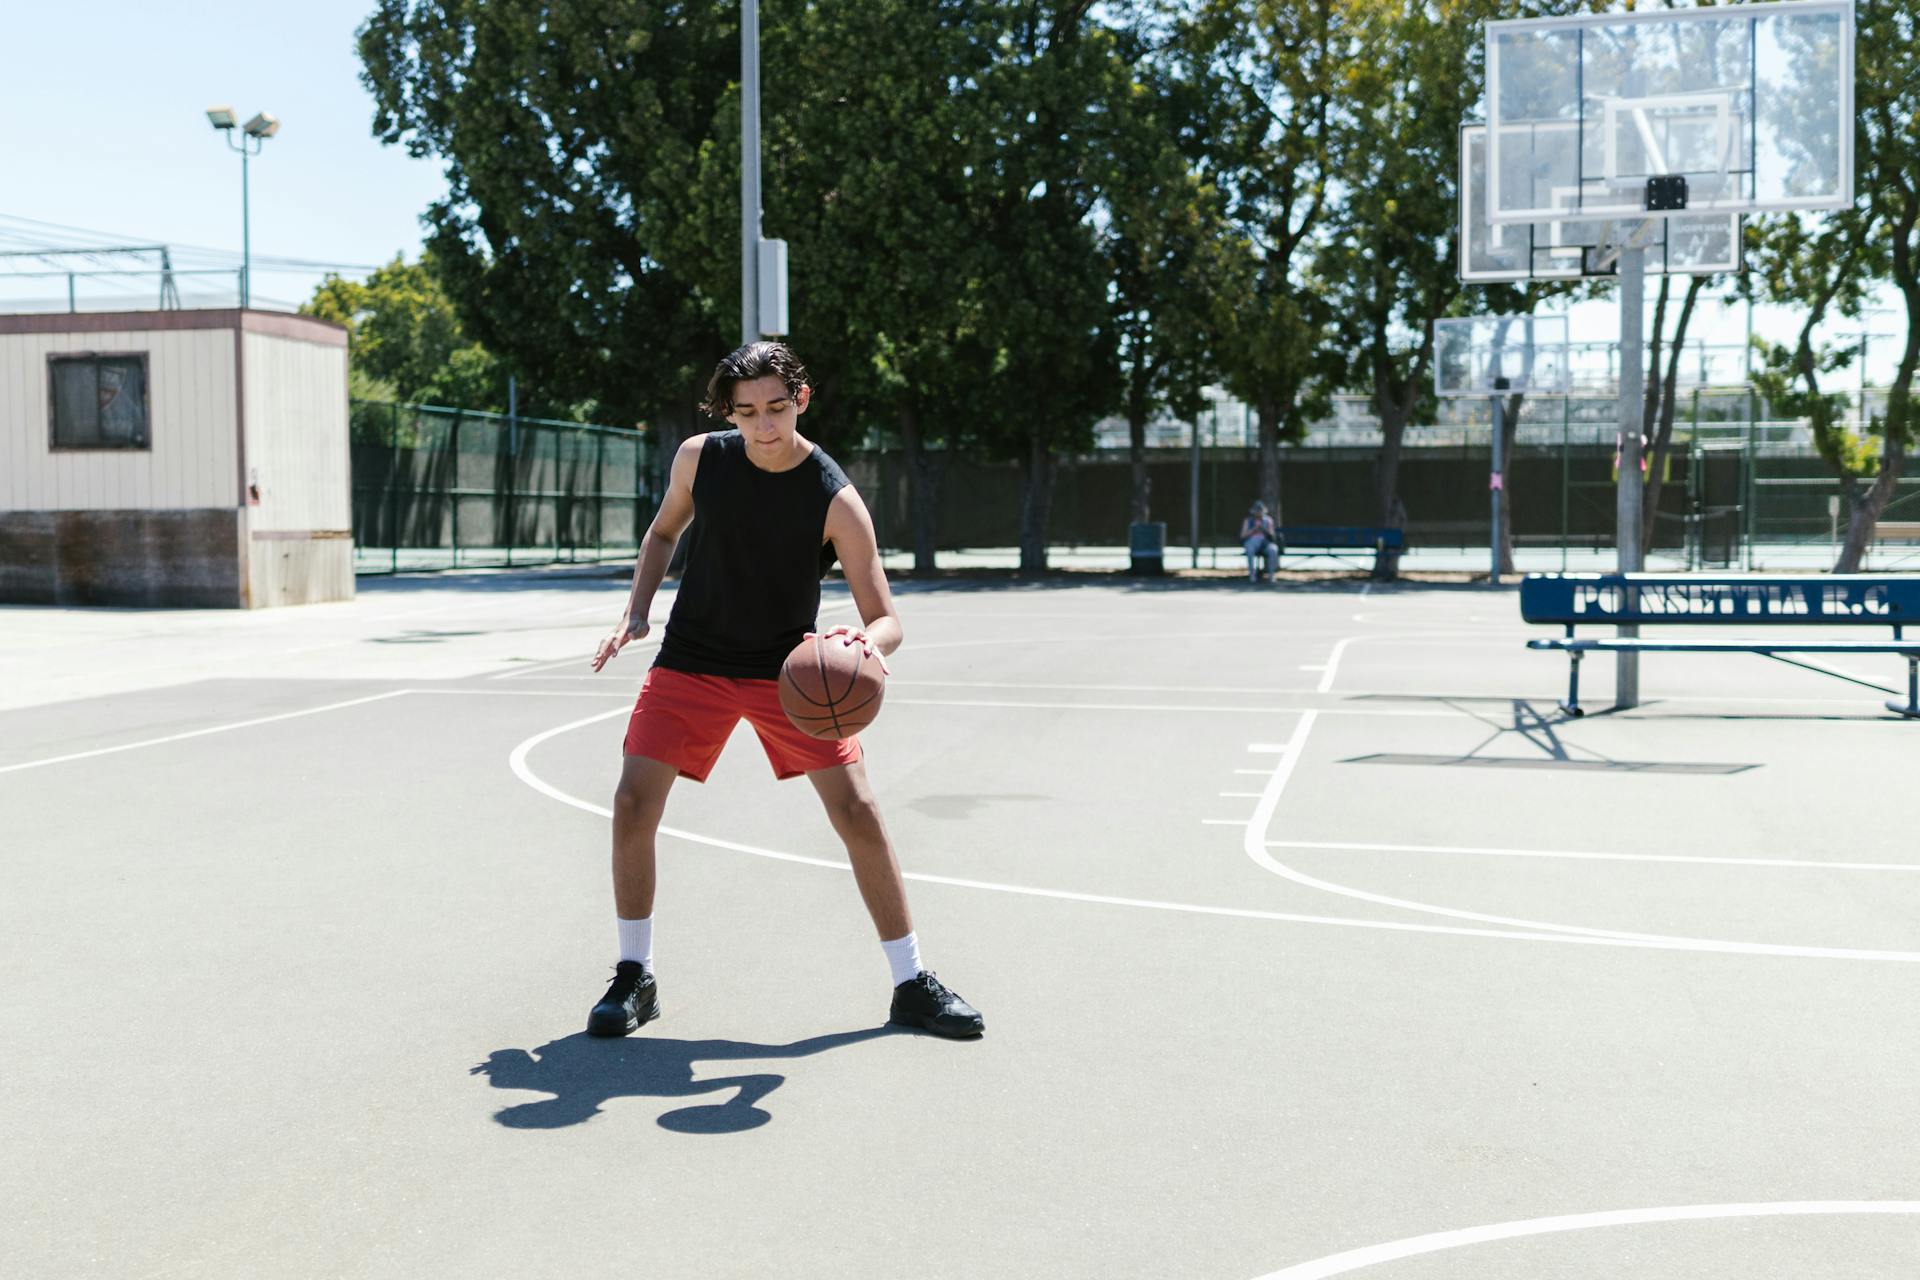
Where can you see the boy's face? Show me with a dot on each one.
(765, 411)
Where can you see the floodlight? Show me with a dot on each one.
(221, 117)
(263, 126)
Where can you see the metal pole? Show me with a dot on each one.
(1193, 496)
(513, 464)
(1566, 464)
(1627, 503)
(393, 504)
(1496, 481)
(246, 234)
(70, 302)
(749, 171)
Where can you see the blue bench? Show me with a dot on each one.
(1749, 600)
(1328, 540)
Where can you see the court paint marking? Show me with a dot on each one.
(648, 641)
(517, 761)
(656, 629)
(1807, 863)
(1162, 706)
(633, 689)
(1332, 667)
(1414, 1246)
(1253, 843)
(198, 733)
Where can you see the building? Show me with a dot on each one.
(174, 458)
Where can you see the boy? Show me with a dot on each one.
(765, 502)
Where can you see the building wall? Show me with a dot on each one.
(193, 461)
(156, 559)
(299, 486)
(243, 497)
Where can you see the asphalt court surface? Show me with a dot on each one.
(1311, 938)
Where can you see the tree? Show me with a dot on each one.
(1662, 395)
(1829, 266)
(1389, 261)
(1275, 71)
(1038, 170)
(869, 177)
(589, 169)
(1169, 249)
(406, 341)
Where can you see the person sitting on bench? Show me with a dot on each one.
(1262, 543)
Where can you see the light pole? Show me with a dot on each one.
(763, 263)
(255, 134)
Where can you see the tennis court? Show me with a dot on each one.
(1312, 941)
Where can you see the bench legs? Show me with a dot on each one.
(1572, 705)
(1911, 707)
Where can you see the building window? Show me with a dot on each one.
(99, 402)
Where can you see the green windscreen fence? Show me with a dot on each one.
(437, 488)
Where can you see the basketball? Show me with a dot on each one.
(830, 689)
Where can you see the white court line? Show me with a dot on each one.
(580, 659)
(198, 733)
(1428, 637)
(1004, 641)
(656, 630)
(1414, 1246)
(1253, 842)
(1094, 688)
(1375, 712)
(1702, 860)
(1168, 706)
(517, 761)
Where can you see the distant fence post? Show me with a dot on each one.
(453, 490)
(393, 466)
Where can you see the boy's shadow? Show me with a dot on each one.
(582, 1072)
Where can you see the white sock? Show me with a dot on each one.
(903, 957)
(636, 940)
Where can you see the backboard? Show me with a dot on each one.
(1493, 355)
(1569, 248)
(1660, 113)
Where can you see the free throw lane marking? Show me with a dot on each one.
(1700, 860)
(1355, 1259)
(517, 761)
(199, 733)
(1254, 842)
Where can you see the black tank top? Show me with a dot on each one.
(755, 557)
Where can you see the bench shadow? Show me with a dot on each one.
(582, 1072)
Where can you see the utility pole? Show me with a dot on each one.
(749, 171)
(1628, 493)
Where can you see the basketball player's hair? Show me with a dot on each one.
(755, 360)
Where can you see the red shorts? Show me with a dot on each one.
(684, 720)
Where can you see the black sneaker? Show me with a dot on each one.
(632, 1000)
(925, 1003)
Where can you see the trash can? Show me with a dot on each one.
(1147, 548)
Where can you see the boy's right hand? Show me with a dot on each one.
(623, 635)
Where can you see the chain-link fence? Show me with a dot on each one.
(437, 488)
(1732, 493)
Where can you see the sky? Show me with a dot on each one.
(103, 127)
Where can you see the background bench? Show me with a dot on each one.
(1328, 541)
(1748, 600)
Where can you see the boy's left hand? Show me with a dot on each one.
(854, 635)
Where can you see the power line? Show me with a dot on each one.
(114, 240)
